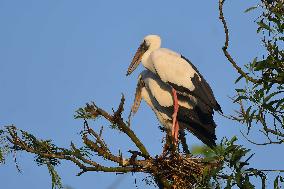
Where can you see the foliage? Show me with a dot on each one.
(227, 163)
(4, 147)
(55, 178)
(261, 99)
(233, 170)
(226, 166)
(38, 147)
(278, 182)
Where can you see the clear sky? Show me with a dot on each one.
(56, 55)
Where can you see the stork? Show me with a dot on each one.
(177, 71)
(192, 115)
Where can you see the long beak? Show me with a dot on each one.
(137, 58)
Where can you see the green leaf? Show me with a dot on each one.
(270, 96)
(55, 178)
(250, 9)
(279, 103)
(239, 78)
(276, 185)
(281, 179)
(1, 156)
(262, 25)
(240, 98)
(240, 90)
(202, 150)
(260, 65)
(247, 114)
(254, 62)
(234, 139)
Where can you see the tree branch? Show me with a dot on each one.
(226, 44)
(117, 120)
(76, 157)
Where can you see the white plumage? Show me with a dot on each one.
(182, 81)
(173, 69)
(162, 91)
(158, 96)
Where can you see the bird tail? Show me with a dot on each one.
(206, 137)
(199, 124)
(218, 108)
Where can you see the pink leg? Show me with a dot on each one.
(175, 127)
(176, 132)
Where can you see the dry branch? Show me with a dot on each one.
(226, 45)
(170, 170)
(117, 120)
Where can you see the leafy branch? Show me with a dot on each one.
(261, 100)
(168, 170)
(171, 169)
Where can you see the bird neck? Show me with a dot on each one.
(147, 62)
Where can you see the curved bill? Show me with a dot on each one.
(137, 58)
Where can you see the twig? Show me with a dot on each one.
(271, 170)
(75, 158)
(102, 151)
(261, 144)
(116, 119)
(226, 44)
(275, 132)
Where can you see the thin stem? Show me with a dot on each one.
(116, 119)
(226, 44)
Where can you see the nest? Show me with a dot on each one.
(183, 171)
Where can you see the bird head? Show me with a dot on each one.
(150, 42)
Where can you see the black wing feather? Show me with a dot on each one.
(202, 89)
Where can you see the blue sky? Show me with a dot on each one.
(57, 55)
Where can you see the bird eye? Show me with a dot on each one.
(145, 46)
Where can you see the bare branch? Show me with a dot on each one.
(75, 158)
(167, 171)
(102, 151)
(262, 144)
(117, 120)
(226, 44)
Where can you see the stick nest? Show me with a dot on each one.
(183, 171)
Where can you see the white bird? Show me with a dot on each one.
(158, 95)
(178, 72)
